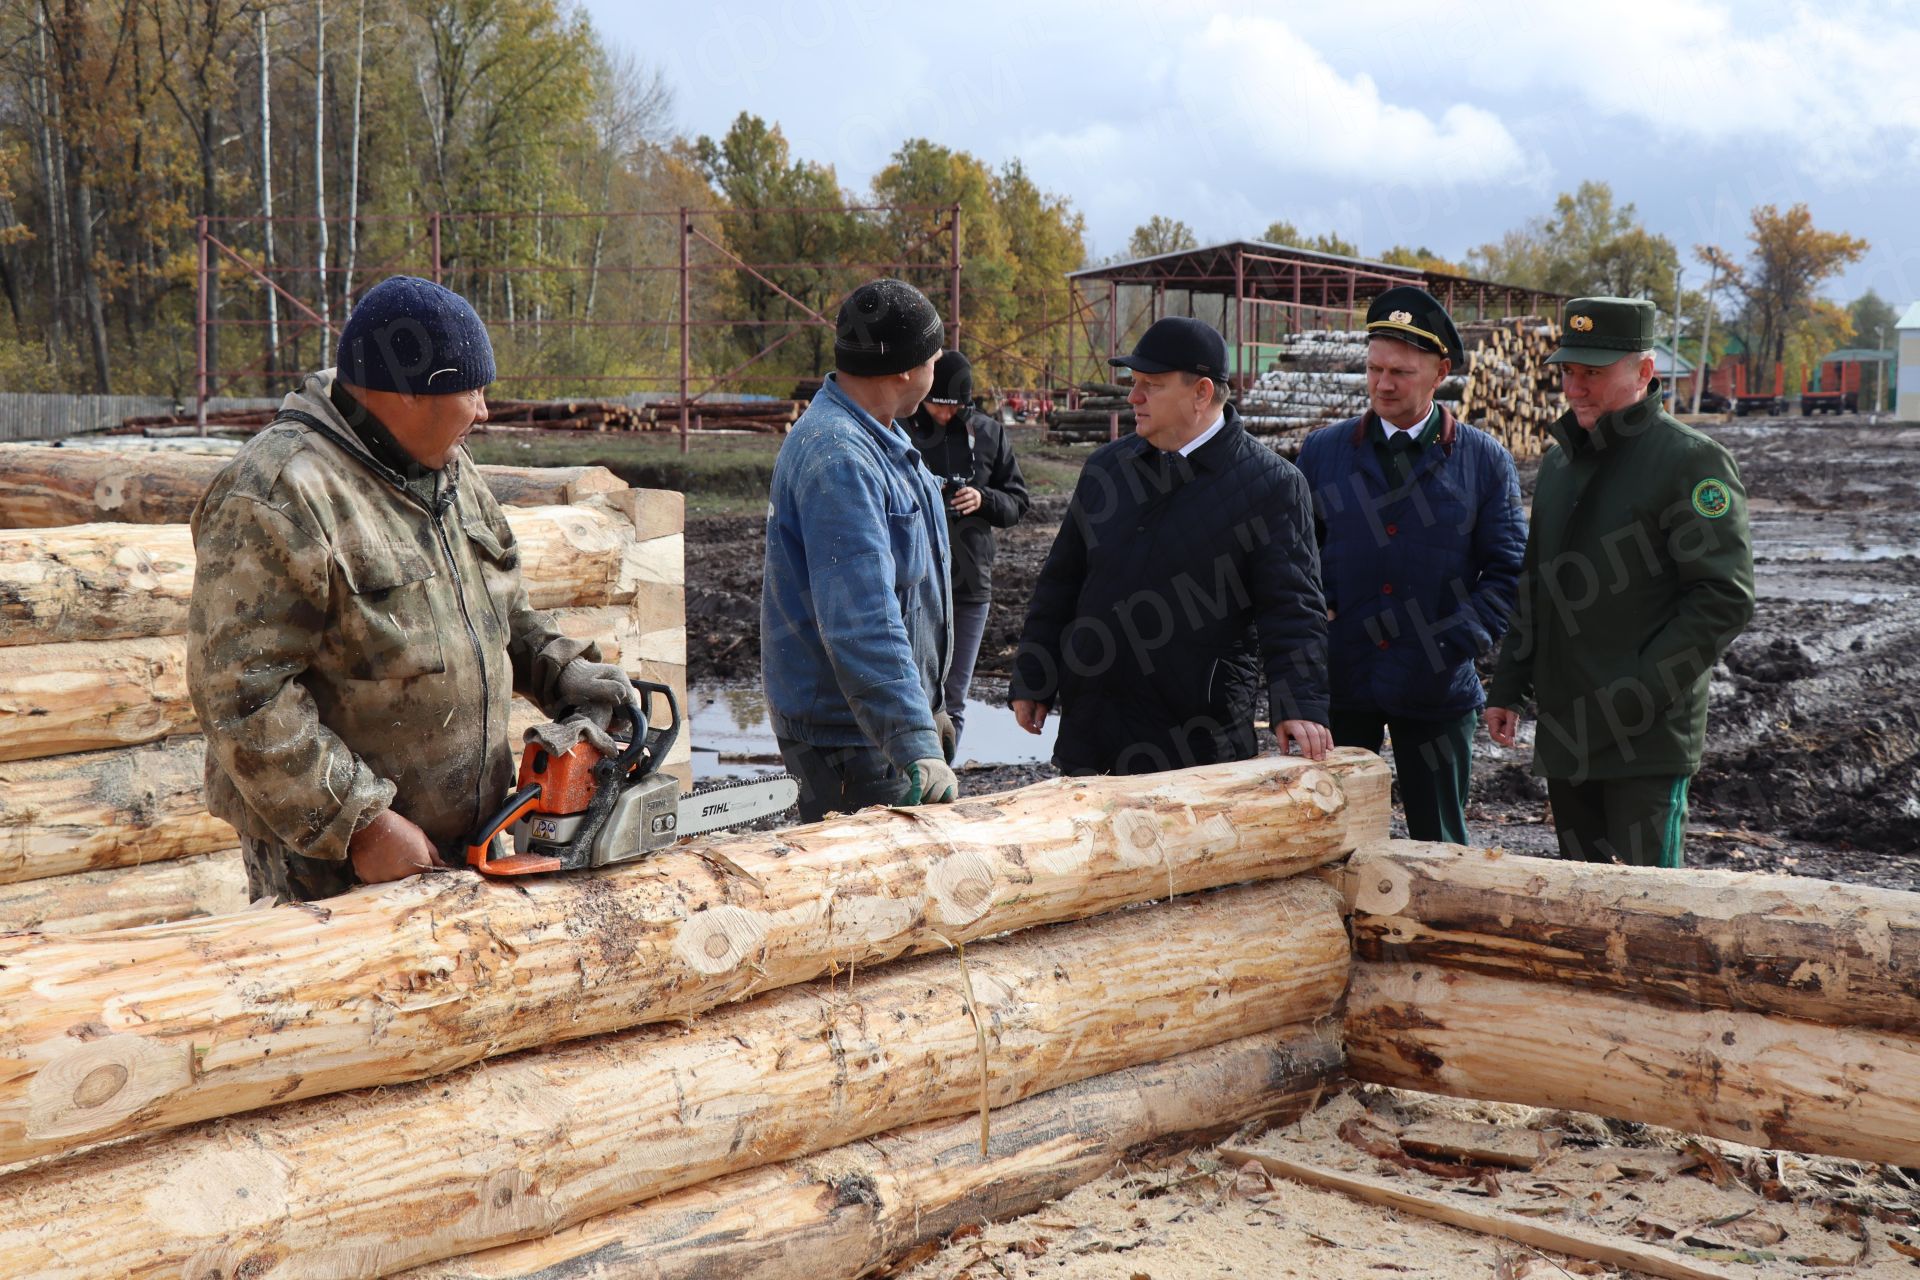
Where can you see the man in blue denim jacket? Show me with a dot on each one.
(855, 606)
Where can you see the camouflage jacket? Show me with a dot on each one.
(352, 647)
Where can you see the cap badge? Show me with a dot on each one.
(1580, 323)
(1401, 317)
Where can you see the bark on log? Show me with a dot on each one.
(121, 581)
(1839, 954)
(1762, 1080)
(106, 809)
(374, 1182)
(853, 1210)
(209, 884)
(42, 486)
(416, 978)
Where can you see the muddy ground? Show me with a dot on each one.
(1815, 720)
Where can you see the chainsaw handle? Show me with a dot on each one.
(659, 742)
(518, 805)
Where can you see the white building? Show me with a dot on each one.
(1906, 405)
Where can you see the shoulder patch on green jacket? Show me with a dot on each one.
(1711, 499)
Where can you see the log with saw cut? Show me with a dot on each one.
(581, 809)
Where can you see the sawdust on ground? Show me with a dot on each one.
(1193, 1216)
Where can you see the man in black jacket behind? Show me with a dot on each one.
(967, 451)
(1185, 571)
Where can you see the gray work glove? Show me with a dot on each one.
(559, 736)
(949, 736)
(933, 783)
(594, 689)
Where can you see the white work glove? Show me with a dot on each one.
(933, 782)
(595, 689)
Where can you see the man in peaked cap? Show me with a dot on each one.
(358, 626)
(1421, 534)
(1638, 575)
(855, 605)
(1183, 578)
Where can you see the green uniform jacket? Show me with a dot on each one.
(352, 647)
(1638, 575)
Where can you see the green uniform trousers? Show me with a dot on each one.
(1639, 821)
(1432, 759)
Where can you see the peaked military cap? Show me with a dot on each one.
(1409, 314)
(1604, 331)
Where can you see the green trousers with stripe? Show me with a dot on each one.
(1639, 821)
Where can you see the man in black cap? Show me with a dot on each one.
(1183, 576)
(1421, 535)
(358, 626)
(1638, 575)
(967, 451)
(855, 605)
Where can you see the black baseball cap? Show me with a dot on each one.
(1178, 344)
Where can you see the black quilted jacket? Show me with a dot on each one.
(1175, 585)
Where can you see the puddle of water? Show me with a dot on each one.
(732, 739)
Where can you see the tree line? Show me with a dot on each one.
(329, 142)
(1766, 301)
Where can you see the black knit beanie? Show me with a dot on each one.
(885, 326)
(952, 379)
(412, 335)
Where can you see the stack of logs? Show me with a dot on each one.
(1102, 404)
(774, 416)
(1320, 378)
(450, 1077)
(100, 758)
(1774, 1011)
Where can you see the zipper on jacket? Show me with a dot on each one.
(480, 803)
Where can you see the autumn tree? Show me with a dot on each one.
(1160, 234)
(1588, 245)
(1285, 233)
(1781, 318)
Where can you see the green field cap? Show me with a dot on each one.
(1601, 331)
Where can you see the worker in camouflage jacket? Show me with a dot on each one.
(358, 626)
(1638, 574)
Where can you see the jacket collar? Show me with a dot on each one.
(1613, 429)
(1368, 422)
(888, 436)
(312, 403)
(1216, 453)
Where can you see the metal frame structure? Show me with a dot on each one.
(701, 248)
(1269, 290)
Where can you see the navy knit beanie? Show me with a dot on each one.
(411, 335)
(885, 326)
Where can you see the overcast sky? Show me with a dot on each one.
(1422, 122)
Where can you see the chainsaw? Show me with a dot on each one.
(584, 809)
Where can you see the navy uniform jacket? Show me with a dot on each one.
(1174, 586)
(1421, 577)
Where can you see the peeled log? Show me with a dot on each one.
(120, 581)
(91, 694)
(42, 486)
(211, 884)
(407, 980)
(852, 1210)
(106, 809)
(1839, 954)
(370, 1183)
(1753, 1078)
